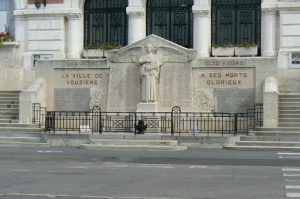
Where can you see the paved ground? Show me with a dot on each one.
(199, 173)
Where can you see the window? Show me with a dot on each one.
(105, 22)
(236, 21)
(172, 20)
(6, 15)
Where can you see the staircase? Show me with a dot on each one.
(285, 137)
(12, 133)
(289, 111)
(9, 107)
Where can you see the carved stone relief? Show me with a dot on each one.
(203, 102)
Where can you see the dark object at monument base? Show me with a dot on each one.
(141, 127)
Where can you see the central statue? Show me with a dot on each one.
(149, 73)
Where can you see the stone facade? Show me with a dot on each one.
(189, 78)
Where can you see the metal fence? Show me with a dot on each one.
(174, 122)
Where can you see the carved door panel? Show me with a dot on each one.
(236, 21)
(171, 20)
(105, 22)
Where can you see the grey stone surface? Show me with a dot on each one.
(71, 99)
(234, 100)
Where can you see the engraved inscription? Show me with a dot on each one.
(234, 100)
(71, 99)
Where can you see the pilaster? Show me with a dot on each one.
(268, 28)
(202, 32)
(74, 36)
(136, 24)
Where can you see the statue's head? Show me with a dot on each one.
(149, 48)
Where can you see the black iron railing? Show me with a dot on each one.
(174, 122)
(38, 114)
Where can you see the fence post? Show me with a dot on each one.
(177, 110)
(235, 123)
(134, 123)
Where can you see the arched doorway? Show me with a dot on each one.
(236, 21)
(172, 20)
(105, 22)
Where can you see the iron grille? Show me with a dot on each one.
(236, 21)
(172, 20)
(105, 22)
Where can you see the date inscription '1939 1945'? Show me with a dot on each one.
(215, 62)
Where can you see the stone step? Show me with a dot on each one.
(6, 101)
(24, 144)
(294, 116)
(6, 109)
(8, 121)
(132, 147)
(289, 100)
(14, 116)
(283, 104)
(40, 135)
(9, 112)
(135, 142)
(9, 97)
(294, 112)
(289, 124)
(289, 108)
(267, 143)
(278, 134)
(259, 138)
(261, 148)
(17, 129)
(20, 139)
(294, 95)
(9, 106)
(19, 125)
(277, 129)
(288, 120)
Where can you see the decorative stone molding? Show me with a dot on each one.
(167, 51)
(201, 11)
(98, 99)
(135, 11)
(203, 102)
(74, 16)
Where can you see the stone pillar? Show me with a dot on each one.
(136, 24)
(202, 30)
(270, 102)
(75, 39)
(268, 28)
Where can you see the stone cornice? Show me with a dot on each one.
(135, 11)
(201, 10)
(268, 7)
(74, 16)
(48, 11)
(288, 6)
(13, 44)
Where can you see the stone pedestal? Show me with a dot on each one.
(147, 107)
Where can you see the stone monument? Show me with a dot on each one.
(142, 74)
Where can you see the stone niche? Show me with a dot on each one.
(173, 73)
(75, 85)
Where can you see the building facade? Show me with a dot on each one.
(54, 37)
